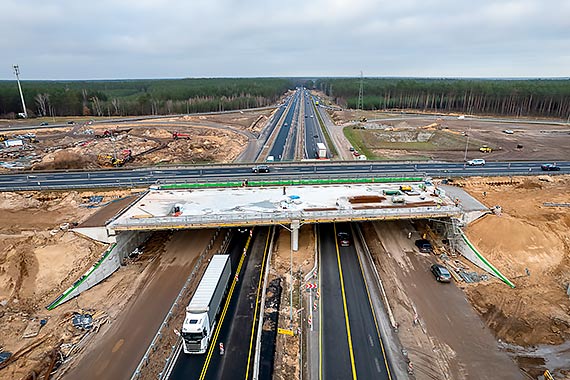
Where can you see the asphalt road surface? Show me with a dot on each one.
(351, 347)
(238, 327)
(278, 148)
(303, 170)
(313, 132)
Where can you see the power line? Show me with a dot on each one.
(360, 104)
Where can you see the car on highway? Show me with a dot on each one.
(440, 273)
(43, 123)
(71, 122)
(424, 245)
(508, 131)
(260, 169)
(550, 167)
(343, 239)
(476, 162)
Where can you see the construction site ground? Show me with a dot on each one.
(39, 259)
(530, 244)
(388, 136)
(206, 138)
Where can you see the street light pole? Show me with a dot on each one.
(466, 145)
(17, 72)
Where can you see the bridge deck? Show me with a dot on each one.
(198, 208)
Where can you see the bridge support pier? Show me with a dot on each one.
(295, 225)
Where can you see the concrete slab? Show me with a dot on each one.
(196, 208)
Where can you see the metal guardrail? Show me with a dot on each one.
(176, 304)
(282, 217)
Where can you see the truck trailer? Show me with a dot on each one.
(202, 311)
(321, 150)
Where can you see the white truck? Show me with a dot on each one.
(321, 150)
(202, 311)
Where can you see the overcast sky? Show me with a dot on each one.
(113, 39)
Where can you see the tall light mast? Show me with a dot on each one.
(17, 72)
(360, 105)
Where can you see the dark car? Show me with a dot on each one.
(424, 245)
(260, 169)
(43, 123)
(343, 239)
(441, 273)
(71, 122)
(550, 167)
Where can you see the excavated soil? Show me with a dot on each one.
(39, 259)
(530, 244)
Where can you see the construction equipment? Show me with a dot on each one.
(105, 134)
(112, 132)
(180, 135)
(111, 160)
(485, 149)
(3, 138)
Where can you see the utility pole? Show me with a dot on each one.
(360, 104)
(17, 72)
(467, 144)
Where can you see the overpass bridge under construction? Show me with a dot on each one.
(287, 203)
(290, 203)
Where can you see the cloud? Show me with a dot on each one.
(173, 38)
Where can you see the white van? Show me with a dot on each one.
(476, 162)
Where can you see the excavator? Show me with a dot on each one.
(110, 160)
(180, 135)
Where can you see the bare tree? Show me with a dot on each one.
(115, 103)
(42, 100)
(97, 106)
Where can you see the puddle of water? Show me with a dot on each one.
(538, 358)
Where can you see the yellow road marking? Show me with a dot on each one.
(374, 316)
(257, 303)
(223, 315)
(320, 318)
(345, 307)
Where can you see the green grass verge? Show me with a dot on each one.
(354, 136)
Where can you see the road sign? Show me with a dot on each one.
(285, 331)
(311, 286)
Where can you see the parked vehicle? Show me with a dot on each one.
(203, 309)
(508, 131)
(343, 239)
(550, 167)
(476, 162)
(260, 169)
(424, 245)
(441, 273)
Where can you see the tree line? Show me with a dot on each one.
(533, 97)
(139, 97)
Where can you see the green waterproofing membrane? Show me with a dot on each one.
(289, 182)
(484, 260)
(59, 300)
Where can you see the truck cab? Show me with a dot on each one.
(196, 333)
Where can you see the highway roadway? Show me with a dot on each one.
(313, 132)
(237, 323)
(298, 170)
(350, 343)
(278, 148)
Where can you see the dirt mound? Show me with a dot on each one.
(64, 159)
(530, 244)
